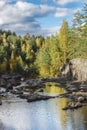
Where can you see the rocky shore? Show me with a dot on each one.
(29, 89)
(33, 90)
(76, 91)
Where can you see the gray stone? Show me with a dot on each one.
(0, 102)
(75, 69)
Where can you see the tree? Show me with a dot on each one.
(43, 60)
(33, 43)
(80, 33)
(7, 53)
(48, 58)
(63, 39)
(55, 56)
(12, 62)
(27, 36)
(80, 21)
(1, 55)
(39, 41)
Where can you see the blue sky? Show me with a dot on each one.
(37, 16)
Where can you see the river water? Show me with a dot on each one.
(42, 115)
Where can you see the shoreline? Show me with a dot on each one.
(28, 89)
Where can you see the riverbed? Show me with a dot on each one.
(17, 114)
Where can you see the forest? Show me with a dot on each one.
(38, 56)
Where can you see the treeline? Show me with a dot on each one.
(38, 56)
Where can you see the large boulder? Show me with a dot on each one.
(75, 69)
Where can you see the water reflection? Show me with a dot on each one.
(42, 115)
(4, 127)
(52, 89)
(1, 125)
(34, 116)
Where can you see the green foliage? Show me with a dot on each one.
(39, 41)
(48, 58)
(78, 35)
(55, 56)
(80, 21)
(43, 61)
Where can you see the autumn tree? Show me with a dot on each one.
(43, 60)
(39, 41)
(63, 39)
(55, 56)
(49, 57)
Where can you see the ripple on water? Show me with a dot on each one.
(42, 115)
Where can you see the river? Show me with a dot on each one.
(17, 114)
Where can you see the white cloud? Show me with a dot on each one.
(62, 2)
(21, 29)
(60, 12)
(21, 10)
(2, 3)
(50, 31)
(23, 17)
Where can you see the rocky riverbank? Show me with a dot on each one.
(33, 89)
(23, 88)
(76, 91)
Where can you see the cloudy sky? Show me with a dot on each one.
(37, 16)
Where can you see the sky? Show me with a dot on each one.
(37, 17)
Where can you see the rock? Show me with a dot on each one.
(65, 108)
(22, 85)
(6, 77)
(17, 77)
(78, 104)
(40, 90)
(61, 80)
(2, 82)
(9, 87)
(80, 99)
(37, 97)
(22, 79)
(33, 83)
(24, 96)
(16, 92)
(2, 90)
(76, 69)
(72, 105)
(14, 82)
(0, 102)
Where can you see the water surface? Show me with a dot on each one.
(42, 115)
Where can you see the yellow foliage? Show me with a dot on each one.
(63, 39)
(44, 71)
(19, 60)
(3, 67)
(23, 48)
(12, 62)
